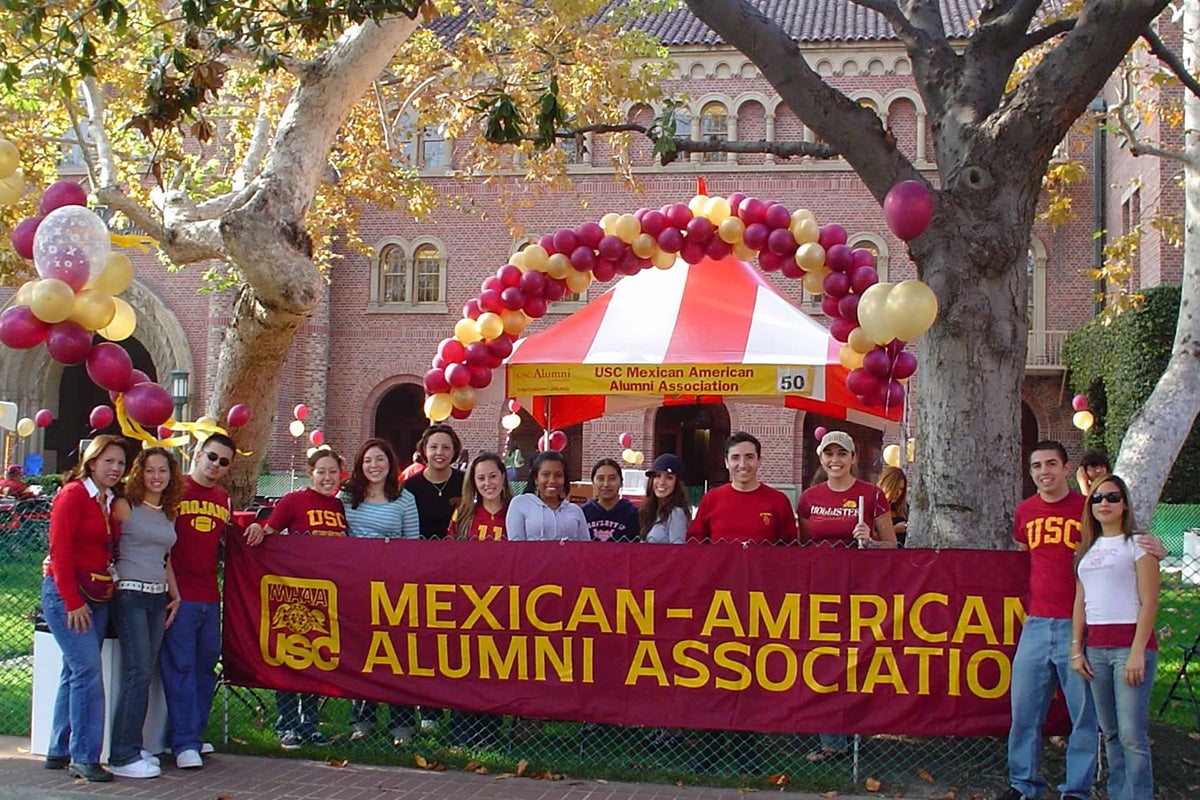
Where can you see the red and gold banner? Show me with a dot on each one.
(793, 639)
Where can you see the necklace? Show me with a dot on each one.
(441, 487)
(148, 504)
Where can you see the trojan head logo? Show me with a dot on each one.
(299, 624)
(766, 516)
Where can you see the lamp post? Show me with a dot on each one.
(180, 390)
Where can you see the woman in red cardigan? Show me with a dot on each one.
(83, 540)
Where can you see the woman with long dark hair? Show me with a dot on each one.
(666, 511)
(1113, 645)
(439, 486)
(486, 495)
(543, 512)
(610, 517)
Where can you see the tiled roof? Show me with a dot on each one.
(803, 20)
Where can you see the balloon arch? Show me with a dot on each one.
(873, 320)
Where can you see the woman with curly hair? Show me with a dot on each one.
(666, 511)
(146, 598)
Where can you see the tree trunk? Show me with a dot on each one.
(1159, 429)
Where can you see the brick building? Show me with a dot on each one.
(358, 362)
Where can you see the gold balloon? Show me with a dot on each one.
(1083, 420)
(805, 231)
(93, 309)
(52, 300)
(517, 259)
(11, 188)
(639, 457)
(696, 205)
(514, 321)
(911, 308)
(490, 325)
(643, 245)
(577, 281)
(466, 331)
(801, 214)
(557, 266)
(627, 228)
(463, 397)
(891, 455)
(860, 342)
(730, 231)
(608, 223)
(814, 280)
(25, 426)
(872, 316)
(116, 275)
(912, 450)
(438, 406)
(10, 158)
(124, 323)
(536, 257)
(743, 252)
(662, 259)
(24, 294)
(717, 210)
(850, 358)
(627, 455)
(810, 256)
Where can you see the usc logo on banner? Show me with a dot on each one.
(299, 624)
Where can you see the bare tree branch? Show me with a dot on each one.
(682, 144)
(1137, 146)
(1045, 34)
(257, 149)
(1172, 60)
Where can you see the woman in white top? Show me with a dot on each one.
(543, 512)
(666, 510)
(1113, 645)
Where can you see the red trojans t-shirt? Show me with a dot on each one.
(309, 513)
(763, 515)
(199, 525)
(832, 515)
(1051, 532)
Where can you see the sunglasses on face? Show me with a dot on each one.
(222, 460)
(1112, 497)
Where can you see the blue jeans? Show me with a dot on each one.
(1041, 665)
(77, 728)
(1124, 713)
(190, 649)
(298, 713)
(139, 618)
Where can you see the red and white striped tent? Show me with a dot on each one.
(713, 332)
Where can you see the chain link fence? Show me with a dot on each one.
(244, 719)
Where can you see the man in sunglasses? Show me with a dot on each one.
(1048, 525)
(192, 644)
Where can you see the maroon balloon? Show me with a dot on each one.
(752, 211)
(459, 413)
(43, 418)
(604, 271)
(735, 200)
(840, 329)
(641, 212)
(893, 395)
(547, 243)
(700, 230)
(491, 284)
(831, 234)
(476, 354)
(670, 240)
(904, 365)
(781, 242)
(238, 415)
(771, 262)
(62, 193)
(509, 276)
(437, 362)
(149, 404)
(861, 382)
(435, 381)
(471, 309)
(493, 362)
(717, 248)
(848, 307)
(894, 347)
(110, 367)
(589, 234)
(836, 285)
(556, 289)
(755, 236)
(863, 257)
(863, 278)
(501, 347)
(653, 222)
(536, 307)
(790, 268)
(22, 236)
(101, 417)
(489, 300)
(451, 350)
(583, 259)
(565, 241)
(533, 283)
(691, 252)
(512, 298)
(611, 247)
(458, 374)
(829, 306)
(629, 264)
(839, 258)
(481, 377)
(69, 342)
(137, 376)
(678, 215)
(908, 209)
(20, 329)
(777, 217)
(878, 363)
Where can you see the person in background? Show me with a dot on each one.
(744, 511)
(438, 487)
(377, 507)
(486, 496)
(610, 517)
(12, 486)
(415, 468)
(83, 540)
(146, 599)
(1093, 465)
(666, 512)
(894, 484)
(1112, 630)
(543, 512)
(192, 645)
(315, 511)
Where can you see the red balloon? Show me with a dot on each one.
(908, 209)
(435, 381)
(109, 367)
(317, 438)
(778, 217)
(604, 271)
(489, 300)
(840, 329)
(781, 242)
(238, 415)
(735, 200)
(300, 412)
(904, 365)
(451, 350)
(628, 263)
(509, 275)
(514, 406)
(476, 354)
(69, 342)
(670, 240)
(459, 413)
(878, 363)
(547, 243)
(700, 230)
(62, 193)
(625, 439)
(894, 346)
(863, 257)
(836, 285)
(790, 268)
(752, 211)
(717, 248)
(589, 234)
(512, 298)
(848, 307)
(831, 234)
(893, 394)
(772, 262)
(20, 329)
(536, 307)
(491, 284)
(678, 215)
(22, 236)
(691, 252)
(458, 374)
(501, 347)
(565, 241)
(653, 222)
(839, 258)
(1079, 402)
(558, 441)
(101, 417)
(149, 404)
(43, 418)
(437, 362)
(861, 382)
(471, 309)
(863, 278)
(164, 432)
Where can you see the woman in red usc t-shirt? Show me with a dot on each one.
(486, 494)
(83, 540)
(316, 511)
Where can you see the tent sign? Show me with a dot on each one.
(663, 379)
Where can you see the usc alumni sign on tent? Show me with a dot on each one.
(686, 379)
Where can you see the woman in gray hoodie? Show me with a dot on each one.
(543, 513)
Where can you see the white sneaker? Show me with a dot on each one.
(189, 759)
(206, 748)
(138, 769)
(149, 757)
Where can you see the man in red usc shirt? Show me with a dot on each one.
(744, 510)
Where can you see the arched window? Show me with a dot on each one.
(393, 275)
(423, 146)
(429, 265)
(714, 127)
(410, 278)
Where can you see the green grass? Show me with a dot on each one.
(1178, 626)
